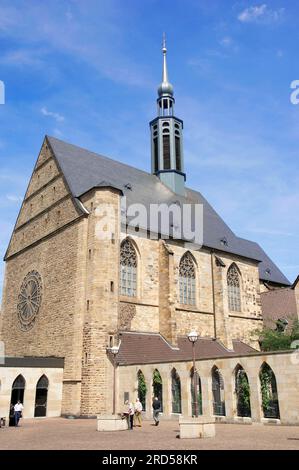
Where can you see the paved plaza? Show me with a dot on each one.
(60, 433)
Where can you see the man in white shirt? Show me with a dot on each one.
(18, 408)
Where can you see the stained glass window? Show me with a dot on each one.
(233, 289)
(128, 269)
(187, 280)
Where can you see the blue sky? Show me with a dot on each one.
(86, 71)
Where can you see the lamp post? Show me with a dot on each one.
(193, 337)
(114, 350)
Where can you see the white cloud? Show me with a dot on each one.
(72, 31)
(260, 14)
(58, 117)
(57, 132)
(22, 57)
(14, 198)
(226, 41)
(8, 17)
(265, 231)
(228, 44)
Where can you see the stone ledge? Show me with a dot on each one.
(111, 423)
(197, 428)
(271, 421)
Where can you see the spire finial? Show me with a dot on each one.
(165, 87)
(164, 50)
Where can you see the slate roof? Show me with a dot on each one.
(152, 348)
(278, 303)
(85, 170)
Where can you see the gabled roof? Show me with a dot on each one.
(84, 170)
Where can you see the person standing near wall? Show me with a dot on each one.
(131, 412)
(18, 409)
(138, 411)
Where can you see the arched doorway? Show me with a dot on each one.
(158, 387)
(242, 390)
(218, 392)
(17, 390)
(17, 394)
(270, 404)
(176, 392)
(197, 395)
(141, 389)
(41, 397)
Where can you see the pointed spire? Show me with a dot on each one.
(165, 88)
(164, 50)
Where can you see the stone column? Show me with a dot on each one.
(255, 396)
(167, 325)
(185, 389)
(165, 372)
(206, 389)
(149, 394)
(228, 392)
(222, 331)
(29, 397)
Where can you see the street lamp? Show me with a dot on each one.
(114, 350)
(193, 337)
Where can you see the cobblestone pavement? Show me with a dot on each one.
(60, 433)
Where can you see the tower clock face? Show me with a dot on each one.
(29, 300)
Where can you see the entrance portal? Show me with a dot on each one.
(41, 397)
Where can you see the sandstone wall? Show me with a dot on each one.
(284, 365)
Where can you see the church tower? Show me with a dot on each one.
(167, 137)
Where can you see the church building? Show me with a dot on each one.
(82, 276)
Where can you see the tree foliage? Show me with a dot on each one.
(275, 340)
(142, 389)
(266, 389)
(157, 380)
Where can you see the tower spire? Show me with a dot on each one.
(165, 88)
(164, 50)
(167, 136)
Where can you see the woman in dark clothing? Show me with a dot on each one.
(12, 421)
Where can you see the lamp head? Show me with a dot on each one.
(114, 350)
(193, 336)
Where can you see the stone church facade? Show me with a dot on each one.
(75, 285)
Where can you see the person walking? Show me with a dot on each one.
(18, 408)
(156, 410)
(138, 411)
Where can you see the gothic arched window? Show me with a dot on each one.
(233, 289)
(141, 388)
(128, 269)
(17, 390)
(41, 396)
(242, 390)
(218, 392)
(158, 387)
(187, 280)
(176, 392)
(270, 404)
(196, 394)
